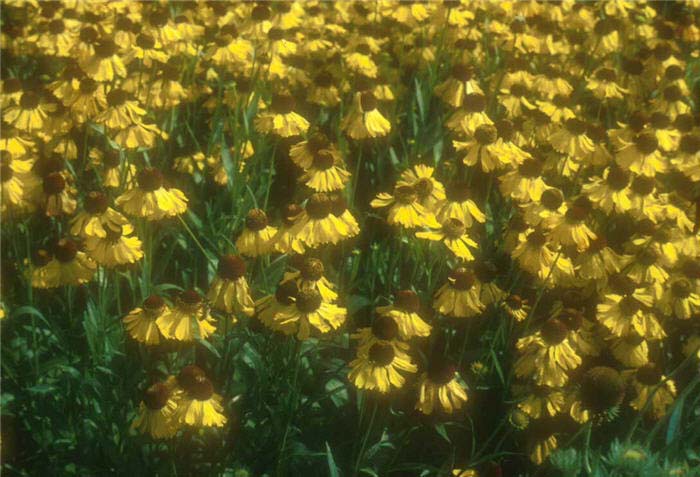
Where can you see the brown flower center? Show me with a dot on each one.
(405, 194)
(381, 354)
(474, 103)
(153, 303)
(156, 396)
(318, 207)
(54, 183)
(150, 179)
(231, 267)
(681, 288)
(441, 371)
(29, 100)
(453, 228)
(384, 327)
(530, 168)
(407, 301)
(323, 160)
(552, 199)
(65, 250)
(649, 374)
(617, 178)
(368, 101)
(462, 72)
(463, 278)
(282, 103)
(602, 388)
(486, 134)
(554, 332)
(286, 293)
(308, 300)
(256, 220)
(312, 269)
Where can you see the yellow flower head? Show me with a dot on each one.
(229, 290)
(157, 413)
(140, 323)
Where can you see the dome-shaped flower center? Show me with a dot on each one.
(552, 199)
(156, 396)
(290, 214)
(105, 48)
(54, 183)
(318, 207)
(256, 220)
(153, 303)
(617, 178)
(453, 228)
(324, 79)
(602, 387)
(56, 27)
(117, 97)
(11, 86)
(575, 126)
(643, 185)
(649, 374)
(504, 129)
(201, 388)
(407, 301)
(530, 168)
(88, 35)
(462, 72)
(691, 269)
(629, 306)
(681, 288)
(518, 90)
(554, 332)
(231, 267)
(598, 244)
(275, 34)
(145, 41)
(536, 239)
(260, 13)
(606, 74)
(29, 100)
(368, 101)
(572, 318)
(441, 371)
(312, 269)
(190, 297)
(282, 104)
(474, 103)
(486, 134)
(659, 121)
(308, 300)
(96, 203)
(515, 302)
(286, 293)
(690, 144)
(317, 142)
(405, 194)
(150, 179)
(323, 160)
(384, 327)
(637, 121)
(463, 278)
(424, 187)
(381, 354)
(65, 250)
(189, 375)
(647, 257)
(41, 257)
(674, 72)
(579, 209)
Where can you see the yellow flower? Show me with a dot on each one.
(58, 196)
(310, 276)
(624, 314)
(405, 311)
(268, 308)
(309, 313)
(641, 155)
(454, 235)
(116, 248)
(326, 173)
(257, 235)
(281, 120)
(604, 85)
(97, 218)
(105, 64)
(67, 266)
(570, 228)
(430, 191)
(378, 368)
(188, 320)
(571, 139)
(318, 225)
(30, 114)
(157, 412)
(20, 185)
(461, 83)
(285, 240)
(681, 299)
(611, 192)
(197, 403)
(470, 116)
(486, 148)
(542, 401)
(150, 199)
(602, 388)
(229, 290)
(404, 208)
(140, 323)
(439, 389)
(364, 119)
(547, 355)
(384, 330)
(631, 350)
(649, 383)
(524, 183)
(459, 297)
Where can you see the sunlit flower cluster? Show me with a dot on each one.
(550, 191)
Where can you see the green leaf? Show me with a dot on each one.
(332, 467)
(674, 421)
(440, 429)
